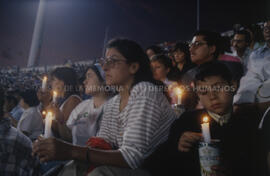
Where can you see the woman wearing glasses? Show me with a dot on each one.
(134, 122)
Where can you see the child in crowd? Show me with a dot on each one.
(213, 83)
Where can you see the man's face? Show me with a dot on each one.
(239, 42)
(266, 31)
(215, 94)
(200, 51)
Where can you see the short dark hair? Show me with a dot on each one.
(213, 68)
(29, 96)
(69, 77)
(182, 46)
(212, 39)
(163, 59)
(246, 34)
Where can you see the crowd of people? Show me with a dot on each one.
(123, 116)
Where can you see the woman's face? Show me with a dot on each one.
(179, 56)
(91, 83)
(159, 70)
(58, 86)
(118, 72)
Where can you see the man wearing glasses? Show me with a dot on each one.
(240, 44)
(258, 74)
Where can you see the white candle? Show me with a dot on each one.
(54, 96)
(48, 125)
(44, 82)
(206, 130)
(178, 93)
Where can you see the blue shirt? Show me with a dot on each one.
(15, 152)
(258, 73)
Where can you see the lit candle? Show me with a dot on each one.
(48, 125)
(206, 130)
(44, 82)
(178, 93)
(43, 113)
(54, 96)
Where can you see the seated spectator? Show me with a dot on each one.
(163, 70)
(237, 134)
(84, 120)
(257, 76)
(65, 83)
(181, 57)
(15, 149)
(12, 109)
(134, 122)
(31, 121)
(240, 44)
(206, 46)
(153, 50)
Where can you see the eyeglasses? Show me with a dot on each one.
(110, 62)
(196, 44)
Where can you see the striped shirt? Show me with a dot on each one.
(141, 126)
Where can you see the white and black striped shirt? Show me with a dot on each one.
(141, 126)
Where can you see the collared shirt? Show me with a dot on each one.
(16, 112)
(220, 119)
(15, 152)
(258, 73)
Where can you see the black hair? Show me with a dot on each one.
(156, 49)
(29, 96)
(213, 68)
(69, 77)
(256, 31)
(246, 34)
(134, 54)
(163, 59)
(182, 46)
(212, 39)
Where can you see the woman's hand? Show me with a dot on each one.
(187, 141)
(51, 149)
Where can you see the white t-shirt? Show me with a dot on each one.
(31, 122)
(84, 122)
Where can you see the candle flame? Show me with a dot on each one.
(43, 112)
(54, 93)
(178, 91)
(205, 119)
(45, 78)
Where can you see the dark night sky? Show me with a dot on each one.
(75, 28)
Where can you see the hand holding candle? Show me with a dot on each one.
(44, 83)
(206, 130)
